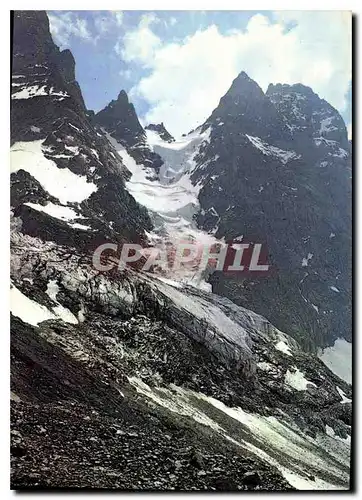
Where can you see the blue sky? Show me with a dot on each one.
(177, 64)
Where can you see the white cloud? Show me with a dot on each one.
(106, 21)
(187, 78)
(101, 22)
(126, 73)
(64, 25)
(140, 44)
(118, 17)
(148, 19)
(172, 21)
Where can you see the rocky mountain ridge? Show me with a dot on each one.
(277, 170)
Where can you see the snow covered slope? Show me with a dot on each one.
(61, 183)
(170, 197)
(178, 156)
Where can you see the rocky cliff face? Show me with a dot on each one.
(307, 116)
(126, 380)
(48, 78)
(277, 170)
(67, 182)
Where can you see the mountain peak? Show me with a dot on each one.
(123, 97)
(246, 86)
(120, 115)
(120, 120)
(245, 108)
(242, 76)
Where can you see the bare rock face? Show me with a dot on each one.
(245, 109)
(277, 170)
(51, 128)
(307, 116)
(43, 76)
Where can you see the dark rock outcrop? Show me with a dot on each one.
(277, 170)
(161, 131)
(40, 70)
(245, 109)
(47, 106)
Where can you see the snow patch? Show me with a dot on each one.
(326, 125)
(266, 367)
(58, 182)
(296, 455)
(269, 150)
(165, 398)
(57, 211)
(60, 311)
(330, 432)
(178, 156)
(36, 91)
(283, 347)
(306, 260)
(297, 380)
(27, 309)
(343, 396)
(66, 214)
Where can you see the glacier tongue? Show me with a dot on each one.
(171, 198)
(178, 156)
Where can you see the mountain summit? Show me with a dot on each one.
(246, 108)
(277, 170)
(119, 118)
